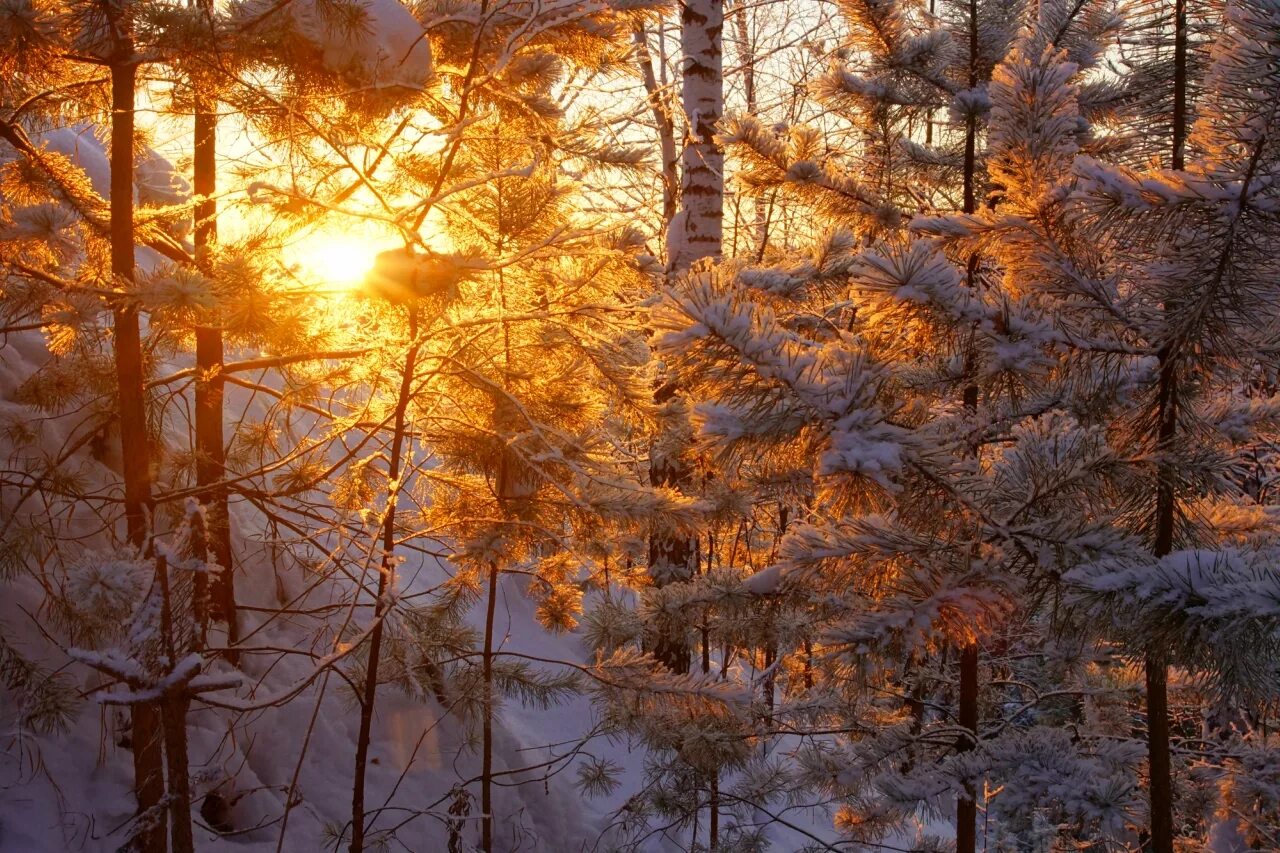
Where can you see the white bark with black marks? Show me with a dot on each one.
(696, 232)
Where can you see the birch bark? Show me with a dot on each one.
(697, 230)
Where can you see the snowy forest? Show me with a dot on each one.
(635, 425)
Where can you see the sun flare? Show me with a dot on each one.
(335, 259)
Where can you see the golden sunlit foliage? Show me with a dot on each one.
(875, 426)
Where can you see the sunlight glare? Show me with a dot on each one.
(338, 260)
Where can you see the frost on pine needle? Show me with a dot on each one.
(100, 593)
(45, 702)
(970, 389)
(375, 44)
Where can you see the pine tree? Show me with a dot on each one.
(1011, 353)
(693, 233)
(499, 327)
(1096, 296)
(1203, 270)
(210, 445)
(968, 441)
(171, 295)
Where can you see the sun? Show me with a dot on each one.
(333, 258)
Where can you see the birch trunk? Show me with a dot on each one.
(693, 234)
(697, 231)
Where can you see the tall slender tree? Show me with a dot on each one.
(136, 457)
(694, 233)
(210, 442)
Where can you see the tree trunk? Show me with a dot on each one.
(486, 758)
(210, 445)
(175, 748)
(967, 806)
(693, 234)
(746, 56)
(713, 828)
(1161, 792)
(386, 570)
(660, 105)
(713, 802)
(747, 64)
(135, 454)
(1157, 673)
(174, 720)
(914, 703)
(210, 384)
(670, 552)
(1179, 83)
(700, 229)
(971, 120)
(146, 736)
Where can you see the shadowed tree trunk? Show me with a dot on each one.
(1157, 670)
(670, 552)
(174, 707)
(386, 568)
(660, 105)
(128, 336)
(210, 384)
(967, 806)
(486, 759)
(747, 67)
(146, 728)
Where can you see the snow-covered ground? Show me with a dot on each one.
(73, 791)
